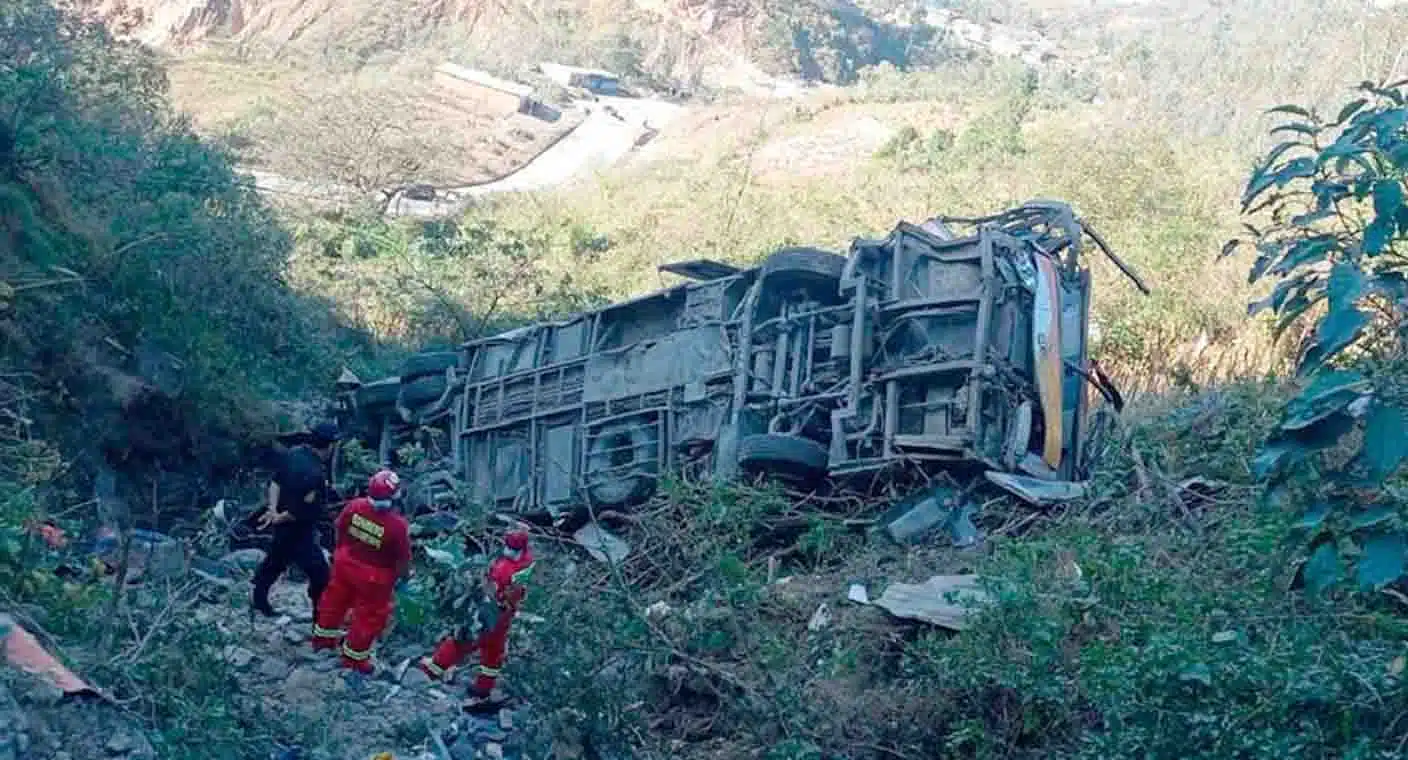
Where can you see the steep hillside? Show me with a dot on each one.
(1210, 68)
(718, 44)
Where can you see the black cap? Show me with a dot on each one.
(325, 433)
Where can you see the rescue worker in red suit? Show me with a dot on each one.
(373, 551)
(504, 590)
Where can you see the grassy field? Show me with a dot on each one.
(381, 125)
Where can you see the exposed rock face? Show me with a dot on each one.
(173, 23)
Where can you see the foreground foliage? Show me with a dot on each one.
(1336, 244)
(118, 223)
(1153, 621)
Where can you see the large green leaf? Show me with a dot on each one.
(1299, 127)
(1377, 235)
(1326, 385)
(1341, 148)
(1296, 285)
(1371, 517)
(1315, 516)
(1390, 284)
(1337, 331)
(1274, 457)
(1278, 151)
(1296, 169)
(1382, 561)
(1311, 218)
(1385, 440)
(1307, 251)
(1296, 306)
(1346, 285)
(1350, 109)
(1324, 432)
(1322, 570)
(1388, 122)
(1264, 178)
(1388, 197)
(1259, 183)
(1292, 109)
(1398, 156)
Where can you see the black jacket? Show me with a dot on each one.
(303, 487)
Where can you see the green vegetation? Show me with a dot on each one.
(124, 238)
(119, 223)
(441, 283)
(1153, 620)
(1162, 617)
(1331, 197)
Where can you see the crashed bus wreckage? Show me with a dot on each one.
(929, 348)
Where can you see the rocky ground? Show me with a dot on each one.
(397, 714)
(37, 723)
(395, 711)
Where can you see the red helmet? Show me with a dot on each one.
(516, 540)
(384, 485)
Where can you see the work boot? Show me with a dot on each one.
(259, 603)
(428, 668)
(478, 702)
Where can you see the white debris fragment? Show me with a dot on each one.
(601, 544)
(857, 593)
(820, 619)
(942, 600)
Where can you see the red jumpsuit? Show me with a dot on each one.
(507, 574)
(373, 550)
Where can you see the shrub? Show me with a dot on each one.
(1331, 201)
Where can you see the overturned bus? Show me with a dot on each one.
(927, 348)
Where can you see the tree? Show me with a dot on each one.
(359, 137)
(1331, 196)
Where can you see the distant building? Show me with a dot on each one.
(594, 80)
(487, 91)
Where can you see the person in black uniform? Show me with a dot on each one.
(297, 501)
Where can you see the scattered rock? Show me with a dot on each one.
(658, 611)
(14, 735)
(238, 657)
(295, 635)
(494, 751)
(120, 744)
(415, 678)
(820, 619)
(39, 693)
(305, 689)
(273, 669)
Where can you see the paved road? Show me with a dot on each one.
(610, 130)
